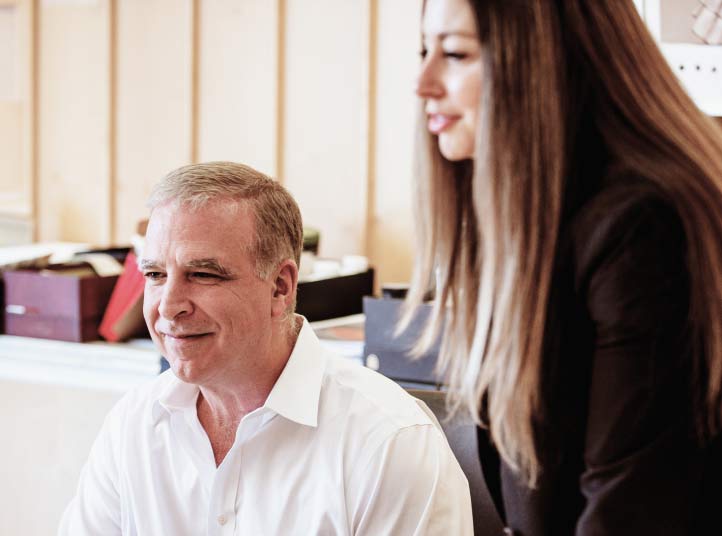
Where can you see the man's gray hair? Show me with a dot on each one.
(279, 228)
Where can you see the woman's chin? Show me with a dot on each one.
(455, 152)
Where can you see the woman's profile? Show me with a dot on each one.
(569, 208)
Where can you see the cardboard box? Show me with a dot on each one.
(63, 302)
(390, 355)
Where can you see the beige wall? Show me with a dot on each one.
(316, 93)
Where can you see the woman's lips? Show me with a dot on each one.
(439, 122)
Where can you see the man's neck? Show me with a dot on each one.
(220, 407)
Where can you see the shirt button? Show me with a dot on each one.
(222, 519)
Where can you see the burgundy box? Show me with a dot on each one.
(61, 302)
(2, 303)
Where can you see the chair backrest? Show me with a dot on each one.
(461, 434)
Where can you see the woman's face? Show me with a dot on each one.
(450, 76)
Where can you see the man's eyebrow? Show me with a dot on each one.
(148, 264)
(210, 264)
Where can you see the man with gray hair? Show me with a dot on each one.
(256, 429)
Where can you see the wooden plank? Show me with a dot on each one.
(238, 85)
(392, 229)
(280, 90)
(154, 101)
(74, 130)
(324, 118)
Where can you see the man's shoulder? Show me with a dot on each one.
(369, 398)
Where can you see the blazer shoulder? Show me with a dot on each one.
(631, 217)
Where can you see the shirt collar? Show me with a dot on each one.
(295, 395)
(297, 391)
(176, 395)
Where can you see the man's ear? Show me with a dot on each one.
(284, 287)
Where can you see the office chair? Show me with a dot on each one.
(460, 431)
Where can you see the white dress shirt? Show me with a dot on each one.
(336, 449)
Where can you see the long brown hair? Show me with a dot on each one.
(488, 229)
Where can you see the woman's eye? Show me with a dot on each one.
(455, 55)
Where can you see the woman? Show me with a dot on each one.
(570, 212)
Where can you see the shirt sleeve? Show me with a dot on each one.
(95, 509)
(411, 484)
(639, 473)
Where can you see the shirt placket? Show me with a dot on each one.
(225, 500)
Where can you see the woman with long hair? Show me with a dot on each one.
(569, 207)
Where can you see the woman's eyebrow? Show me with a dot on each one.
(444, 35)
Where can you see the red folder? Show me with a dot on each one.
(123, 317)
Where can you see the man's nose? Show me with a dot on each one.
(174, 300)
(428, 82)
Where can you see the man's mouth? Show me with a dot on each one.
(184, 336)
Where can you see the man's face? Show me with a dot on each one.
(206, 309)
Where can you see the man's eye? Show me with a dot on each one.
(152, 276)
(423, 52)
(205, 275)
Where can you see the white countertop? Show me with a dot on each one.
(93, 365)
(107, 366)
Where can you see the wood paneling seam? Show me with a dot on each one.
(112, 118)
(281, 91)
(35, 117)
(371, 128)
(195, 80)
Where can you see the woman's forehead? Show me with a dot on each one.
(448, 17)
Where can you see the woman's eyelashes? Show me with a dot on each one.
(456, 55)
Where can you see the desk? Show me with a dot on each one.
(98, 365)
(54, 396)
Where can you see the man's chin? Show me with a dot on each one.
(185, 372)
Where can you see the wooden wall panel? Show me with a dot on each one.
(12, 185)
(238, 83)
(10, 36)
(74, 110)
(17, 164)
(11, 109)
(27, 92)
(325, 118)
(391, 221)
(154, 101)
(319, 94)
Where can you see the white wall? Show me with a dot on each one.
(47, 434)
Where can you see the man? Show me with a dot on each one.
(256, 429)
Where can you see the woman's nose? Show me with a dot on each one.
(428, 82)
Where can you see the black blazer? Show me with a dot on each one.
(617, 434)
